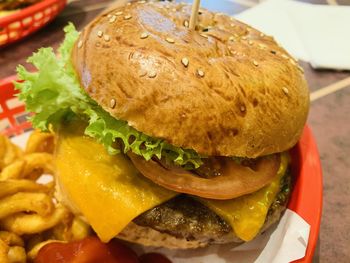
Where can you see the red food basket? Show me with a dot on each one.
(306, 199)
(24, 22)
(13, 117)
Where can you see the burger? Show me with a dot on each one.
(169, 136)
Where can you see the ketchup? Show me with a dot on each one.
(92, 250)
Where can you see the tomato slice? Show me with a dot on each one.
(234, 180)
(88, 250)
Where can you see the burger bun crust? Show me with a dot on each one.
(224, 89)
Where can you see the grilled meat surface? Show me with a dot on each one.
(184, 217)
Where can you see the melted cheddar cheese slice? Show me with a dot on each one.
(106, 189)
(247, 214)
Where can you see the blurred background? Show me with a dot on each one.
(317, 32)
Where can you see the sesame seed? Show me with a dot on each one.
(262, 46)
(273, 52)
(80, 44)
(142, 2)
(250, 42)
(99, 33)
(119, 13)
(112, 19)
(301, 69)
(285, 56)
(128, 3)
(174, 10)
(185, 62)
(112, 103)
(170, 40)
(186, 23)
(285, 90)
(233, 25)
(200, 73)
(231, 38)
(255, 63)
(244, 37)
(235, 52)
(292, 61)
(242, 108)
(107, 38)
(152, 74)
(109, 16)
(142, 73)
(203, 35)
(262, 34)
(144, 35)
(127, 17)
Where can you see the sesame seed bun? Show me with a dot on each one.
(225, 89)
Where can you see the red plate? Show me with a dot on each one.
(306, 197)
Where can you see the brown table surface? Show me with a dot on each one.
(329, 117)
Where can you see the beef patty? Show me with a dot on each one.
(184, 217)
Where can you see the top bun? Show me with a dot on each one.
(225, 89)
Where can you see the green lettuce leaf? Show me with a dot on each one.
(54, 94)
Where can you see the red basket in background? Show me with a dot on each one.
(13, 117)
(26, 21)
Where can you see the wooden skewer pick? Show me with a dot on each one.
(194, 15)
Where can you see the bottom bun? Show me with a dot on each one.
(149, 237)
